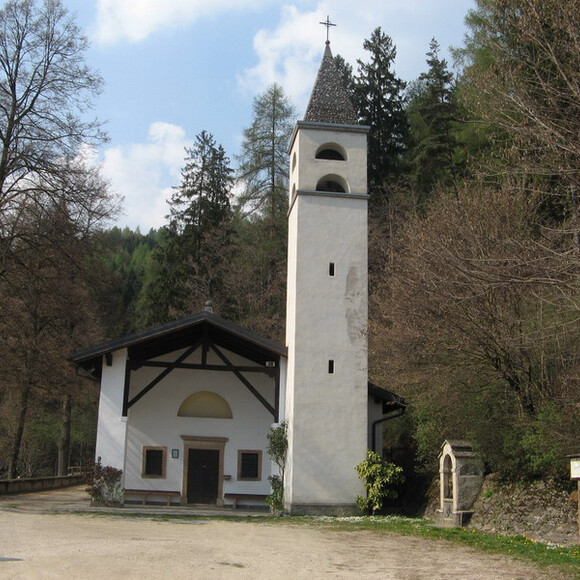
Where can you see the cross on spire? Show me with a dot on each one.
(328, 24)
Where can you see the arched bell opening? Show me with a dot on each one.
(332, 183)
(332, 151)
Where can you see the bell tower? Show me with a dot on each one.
(327, 302)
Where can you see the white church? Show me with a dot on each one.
(185, 408)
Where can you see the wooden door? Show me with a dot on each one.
(202, 476)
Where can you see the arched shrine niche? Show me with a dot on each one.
(447, 477)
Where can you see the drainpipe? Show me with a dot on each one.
(395, 414)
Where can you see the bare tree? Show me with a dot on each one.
(51, 202)
(46, 90)
(476, 321)
(49, 310)
(522, 77)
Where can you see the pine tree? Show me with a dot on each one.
(128, 258)
(432, 113)
(380, 101)
(258, 282)
(202, 200)
(192, 248)
(263, 160)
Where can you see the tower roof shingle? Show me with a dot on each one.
(329, 101)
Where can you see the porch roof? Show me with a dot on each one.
(390, 400)
(154, 342)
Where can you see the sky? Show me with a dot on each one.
(173, 68)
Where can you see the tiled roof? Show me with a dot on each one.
(329, 102)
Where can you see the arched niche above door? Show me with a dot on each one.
(205, 404)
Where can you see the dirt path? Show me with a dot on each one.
(87, 546)
(38, 542)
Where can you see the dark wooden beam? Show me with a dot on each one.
(162, 375)
(244, 381)
(206, 343)
(206, 367)
(277, 395)
(126, 386)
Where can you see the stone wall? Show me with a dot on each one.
(38, 483)
(540, 511)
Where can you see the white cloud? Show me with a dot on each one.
(290, 52)
(286, 55)
(144, 173)
(135, 20)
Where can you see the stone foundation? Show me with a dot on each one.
(541, 511)
(323, 510)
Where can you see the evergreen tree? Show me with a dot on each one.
(432, 113)
(129, 262)
(263, 160)
(479, 304)
(380, 101)
(257, 283)
(202, 200)
(186, 271)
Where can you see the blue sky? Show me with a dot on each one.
(173, 68)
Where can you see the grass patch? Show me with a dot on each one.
(560, 558)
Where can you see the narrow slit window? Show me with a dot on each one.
(331, 269)
(330, 367)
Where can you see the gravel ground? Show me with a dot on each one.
(42, 537)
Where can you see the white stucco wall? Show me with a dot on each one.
(153, 421)
(327, 320)
(112, 426)
(375, 412)
(306, 170)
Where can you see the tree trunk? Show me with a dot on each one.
(17, 441)
(64, 441)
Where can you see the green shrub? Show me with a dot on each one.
(380, 478)
(276, 498)
(277, 449)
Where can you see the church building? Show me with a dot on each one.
(185, 408)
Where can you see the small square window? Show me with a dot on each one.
(331, 269)
(154, 460)
(330, 367)
(250, 465)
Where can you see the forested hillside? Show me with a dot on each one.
(474, 243)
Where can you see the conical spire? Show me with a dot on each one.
(329, 101)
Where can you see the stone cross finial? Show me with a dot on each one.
(328, 24)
